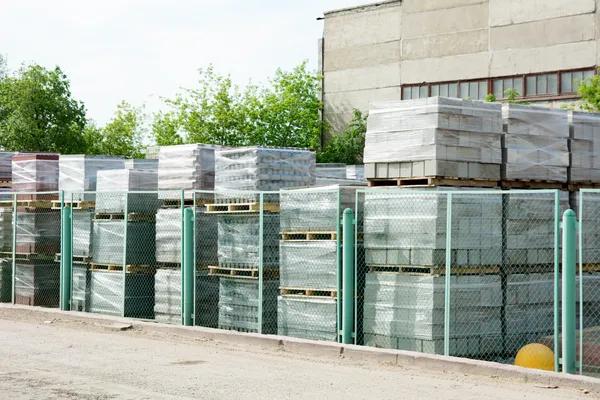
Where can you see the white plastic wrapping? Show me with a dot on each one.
(309, 265)
(38, 231)
(81, 281)
(308, 318)
(335, 171)
(5, 280)
(585, 147)
(6, 166)
(78, 173)
(110, 183)
(109, 241)
(37, 284)
(541, 121)
(106, 294)
(6, 230)
(238, 305)
(142, 163)
(264, 169)
(186, 167)
(355, 172)
(436, 128)
(35, 174)
(82, 232)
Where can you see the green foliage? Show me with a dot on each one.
(512, 95)
(490, 98)
(589, 91)
(347, 148)
(122, 136)
(38, 112)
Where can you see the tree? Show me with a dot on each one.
(347, 148)
(122, 136)
(38, 112)
(589, 91)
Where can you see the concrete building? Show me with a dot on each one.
(408, 49)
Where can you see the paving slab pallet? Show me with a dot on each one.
(76, 259)
(432, 181)
(244, 273)
(76, 205)
(308, 236)
(5, 184)
(130, 269)
(120, 216)
(236, 208)
(313, 293)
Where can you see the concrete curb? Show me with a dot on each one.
(334, 351)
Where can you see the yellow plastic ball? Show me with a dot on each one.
(536, 356)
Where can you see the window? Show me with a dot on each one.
(444, 89)
(542, 84)
(503, 84)
(476, 90)
(570, 80)
(415, 92)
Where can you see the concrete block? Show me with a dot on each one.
(446, 44)
(539, 59)
(370, 171)
(394, 170)
(449, 68)
(437, 22)
(355, 29)
(381, 170)
(418, 169)
(362, 56)
(405, 170)
(507, 12)
(556, 31)
(379, 76)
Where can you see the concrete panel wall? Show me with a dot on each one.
(443, 21)
(414, 6)
(448, 44)
(469, 66)
(380, 76)
(506, 12)
(543, 33)
(542, 59)
(361, 29)
(362, 56)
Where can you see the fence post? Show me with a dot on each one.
(348, 277)
(568, 291)
(188, 266)
(66, 259)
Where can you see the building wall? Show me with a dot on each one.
(369, 52)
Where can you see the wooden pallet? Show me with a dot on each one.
(130, 269)
(6, 184)
(433, 271)
(532, 184)
(432, 181)
(575, 186)
(303, 292)
(27, 256)
(76, 205)
(236, 208)
(27, 203)
(121, 217)
(176, 203)
(244, 273)
(308, 236)
(76, 259)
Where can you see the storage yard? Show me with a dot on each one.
(456, 232)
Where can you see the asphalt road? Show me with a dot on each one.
(61, 359)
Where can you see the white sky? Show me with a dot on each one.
(138, 50)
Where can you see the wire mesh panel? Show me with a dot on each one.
(587, 206)
(36, 240)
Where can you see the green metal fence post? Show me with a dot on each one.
(188, 267)
(66, 259)
(348, 277)
(447, 286)
(568, 291)
(261, 233)
(557, 241)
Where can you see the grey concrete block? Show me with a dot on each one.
(370, 171)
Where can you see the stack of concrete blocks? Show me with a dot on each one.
(186, 167)
(37, 283)
(130, 295)
(239, 305)
(34, 173)
(409, 228)
(82, 232)
(142, 163)
(436, 136)
(585, 147)
(331, 170)
(355, 172)
(109, 242)
(530, 227)
(78, 173)
(38, 231)
(6, 166)
(536, 143)
(114, 191)
(5, 280)
(261, 169)
(6, 229)
(589, 217)
(311, 264)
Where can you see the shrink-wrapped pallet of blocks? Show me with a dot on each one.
(130, 295)
(81, 284)
(261, 169)
(6, 166)
(239, 305)
(82, 232)
(6, 229)
(109, 240)
(186, 167)
(35, 173)
(587, 208)
(168, 236)
(112, 185)
(5, 280)
(37, 231)
(142, 163)
(37, 283)
(536, 143)
(585, 147)
(78, 174)
(434, 137)
(355, 172)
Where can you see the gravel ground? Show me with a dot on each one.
(62, 359)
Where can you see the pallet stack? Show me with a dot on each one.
(78, 174)
(124, 237)
(35, 173)
(5, 175)
(310, 260)
(186, 167)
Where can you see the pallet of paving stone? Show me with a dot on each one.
(243, 273)
(308, 236)
(430, 181)
(304, 292)
(237, 208)
(130, 269)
